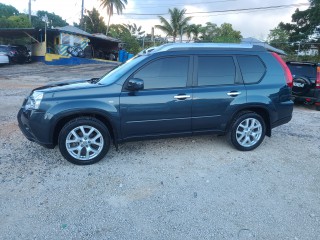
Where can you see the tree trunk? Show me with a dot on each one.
(108, 24)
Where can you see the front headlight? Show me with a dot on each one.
(34, 100)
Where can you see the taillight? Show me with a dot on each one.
(318, 77)
(285, 68)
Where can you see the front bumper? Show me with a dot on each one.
(33, 128)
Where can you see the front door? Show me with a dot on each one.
(164, 105)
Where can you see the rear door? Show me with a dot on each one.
(164, 106)
(217, 92)
(304, 78)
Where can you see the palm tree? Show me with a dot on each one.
(189, 29)
(193, 30)
(177, 25)
(196, 30)
(134, 29)
(119, 5)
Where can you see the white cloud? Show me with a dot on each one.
(255, 23)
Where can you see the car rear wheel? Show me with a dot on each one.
(247, 131)
(84, 141)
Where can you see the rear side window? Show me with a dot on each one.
(171, 72)
(252, 68)
(216, 70)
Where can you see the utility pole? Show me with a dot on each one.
(30, 11)
(82, 8)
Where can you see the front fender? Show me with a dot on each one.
(66, 110)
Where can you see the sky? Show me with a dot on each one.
(251, 23)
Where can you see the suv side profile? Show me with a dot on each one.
(239, 90)
(306, 82)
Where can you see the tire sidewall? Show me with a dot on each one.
(81, 122)
(234, 126)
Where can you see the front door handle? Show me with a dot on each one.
(233, 93)
(181, 97)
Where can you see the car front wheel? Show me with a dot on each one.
(247, 131)
(84, 141)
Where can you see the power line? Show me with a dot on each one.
(176, 5)
(222, 11)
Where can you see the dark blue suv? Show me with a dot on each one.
(239, 90)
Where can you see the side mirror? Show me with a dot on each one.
(135, 84)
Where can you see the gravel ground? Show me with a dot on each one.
(183, 188)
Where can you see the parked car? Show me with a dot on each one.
(239, 90)
(17, 53)
(306, 82)
(4, 59)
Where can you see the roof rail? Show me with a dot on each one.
(189, 46)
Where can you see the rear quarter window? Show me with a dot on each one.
(252, 68)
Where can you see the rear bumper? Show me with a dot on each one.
(281, 121)
(313, 98)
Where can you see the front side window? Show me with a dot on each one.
(171, 72)
(216, 70)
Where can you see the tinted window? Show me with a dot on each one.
(303, 70)
(3, 49)
(165, 73)
(252, 68)
(216, 71)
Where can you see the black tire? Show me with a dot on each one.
(301, 86)
(252, 136)
(69, 49)
(82, 134)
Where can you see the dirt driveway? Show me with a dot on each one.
(183, 188)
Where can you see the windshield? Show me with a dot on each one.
(119, 71)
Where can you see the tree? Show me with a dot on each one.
(92, 22)
(223, 34)
(226, 34)
(7, 10)
(121, 32)
(304, 24)
(53, 20)
(15, 21)
(119, 5)
(208, 32)
(177, 25)
(11, 18)
(279, 38)
(134, 29)
(193, 31)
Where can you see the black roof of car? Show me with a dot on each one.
(303, 63)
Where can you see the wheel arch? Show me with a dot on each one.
(263, 112)
(68, 117)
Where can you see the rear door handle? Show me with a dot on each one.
(181, 97)
(233, 93)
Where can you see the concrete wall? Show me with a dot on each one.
(39, 49)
